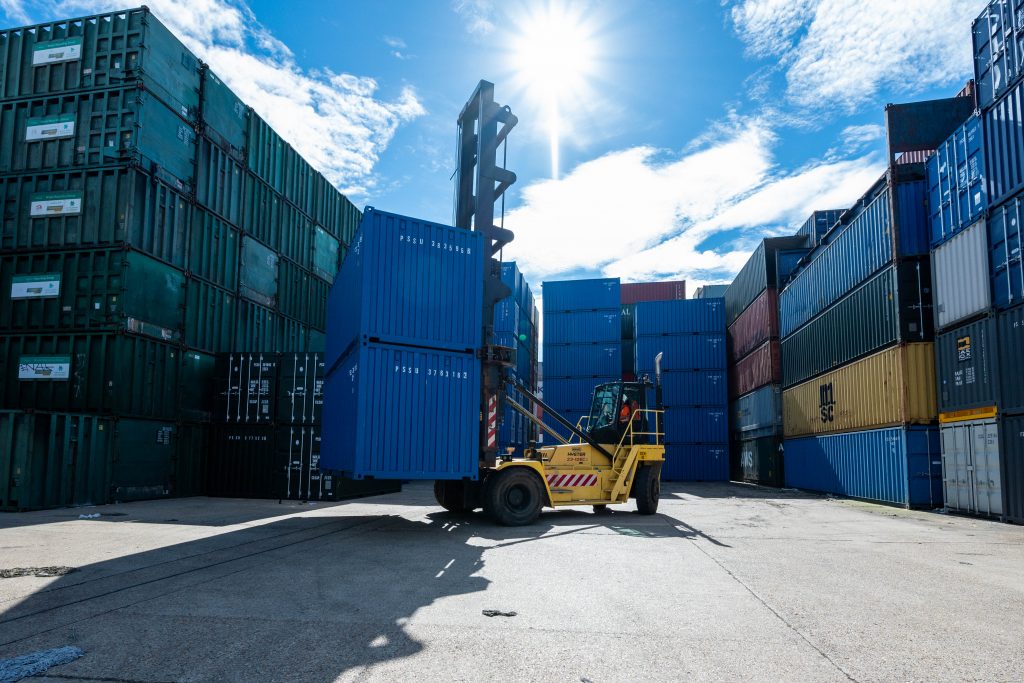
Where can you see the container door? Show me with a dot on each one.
(985, 455)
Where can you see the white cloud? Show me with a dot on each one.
(841, 53)
(627, 214)
(477, 15)
(395, 42)
(335, 120)
(15, 11)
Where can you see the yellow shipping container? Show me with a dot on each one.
(891, 387)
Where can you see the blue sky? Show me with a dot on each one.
(689, 129)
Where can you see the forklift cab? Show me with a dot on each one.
(614, 405)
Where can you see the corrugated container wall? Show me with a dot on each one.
(970, 467)
(756, 325)
(581, 295)
(893, 387)
(710, 292)
(819, 223)
(692, 316)
(957, 188)
(965, 365)
(668, 290)
(695, 462)
(682, 352)
(998, 41)
(961, 275)
(1010, 333)
(900, 465)
(1006, 236)
(757, 274)
(1004, 145)
(1011, 467)
(761, 461)
(760, 367)
(583, 360)
(758, 413)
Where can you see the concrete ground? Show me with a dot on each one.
(726, 583)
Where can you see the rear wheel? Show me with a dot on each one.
(451, 495)
(647, 488)
(601, 510)
(514, 496)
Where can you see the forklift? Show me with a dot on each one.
(612, 454)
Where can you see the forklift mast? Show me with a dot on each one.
(480, 182)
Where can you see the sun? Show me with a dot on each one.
(554, 57)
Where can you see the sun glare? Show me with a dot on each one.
(554, 57)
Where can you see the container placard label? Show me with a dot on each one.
(44, 367)
(55, 51)
(50, 127)
(40, 286)
(45, 204)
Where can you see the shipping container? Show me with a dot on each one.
(1004, 146)
(899, 465)
(695, 462)
(961, 274)
(572, 393)
(300, 397)
(103, 289)
(757, 274)
(98, 207)
(1011, 467)
(317, 313)
(293, 289)
(53, 459)
(189, 477)
(393, 412)
(142, 466)
(627, 314)
(965, 367)
(210, 316)
(669, 290)
(581, 360)
(257, 328)
(297, 235)
(263, 211)
(970, 467)
(860, 245)
(327, 253)
(258, 278)
(680, 317)
(219, 179)
(1010, 335)
(214, 249)
(117, 374)
(998, 41)
(757, 414)
(1005, 225)
(225, 118)
(760, 367)
(408, 281)
(696, 424)
(892, 387)
(246, 388)
(197, 381)
(710, 292)
(817, 225)
(244, 462)
(300, 444)
(100, 51)
(787, 262)
(694, 387)
(761, 460)
(582, 327)
(957, 190)
(94, 128)
(756, 325)
(334, 211)
(582, 295)
(681, 352)
(892, 307)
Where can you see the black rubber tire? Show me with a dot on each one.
(602, 510)
(450, 495)
(514, 496)
(647, 488)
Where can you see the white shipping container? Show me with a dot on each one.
(970, 467)
(960, 270)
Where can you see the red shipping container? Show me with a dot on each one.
(635, 292)
(755, 326)
(761, 367)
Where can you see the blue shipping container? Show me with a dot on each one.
(581, 295)
(393, 412)
(1004, 146)
(506, 318)
(1005, 223)
(513, 279)
(998, 40)
(687, 424)
(407, 281)
(583, 326)
(758, 413)
(900, 465)
(680, 317)
(695, 388)
(573, 417)
(818, 224)
(696, 462)
(682, 352)
(957, 189)
(786, 263)
(857, 249)
(573, 393)
(583, 360)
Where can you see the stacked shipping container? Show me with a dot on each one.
(515, 326)
(136, 241)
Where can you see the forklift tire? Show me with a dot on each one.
(602, 510)
(451, 496)
(647, 489)
(513, 497)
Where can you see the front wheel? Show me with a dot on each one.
(514, 496)
(647, 488)
(451, 495)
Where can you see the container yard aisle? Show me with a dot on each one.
(728, 582)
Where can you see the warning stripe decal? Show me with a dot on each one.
(571, 480)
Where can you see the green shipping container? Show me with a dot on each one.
(209, 316)
(143, 461)
(101, 51)
(297, 233)
(97, 127)
(280, 166)
(190, 460)
(197, 371)
(258, 275)
(317, 341)
(334, 211)
(53, 459)
(293, 292)
(318, 291)
(257, 328)
(105, 373)
(262, 211)
(214, 249)
(219, 179)
(225, 117)
(326, 254)
(760, 461)
(294, 336)
(113, 206)
(102, 289)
